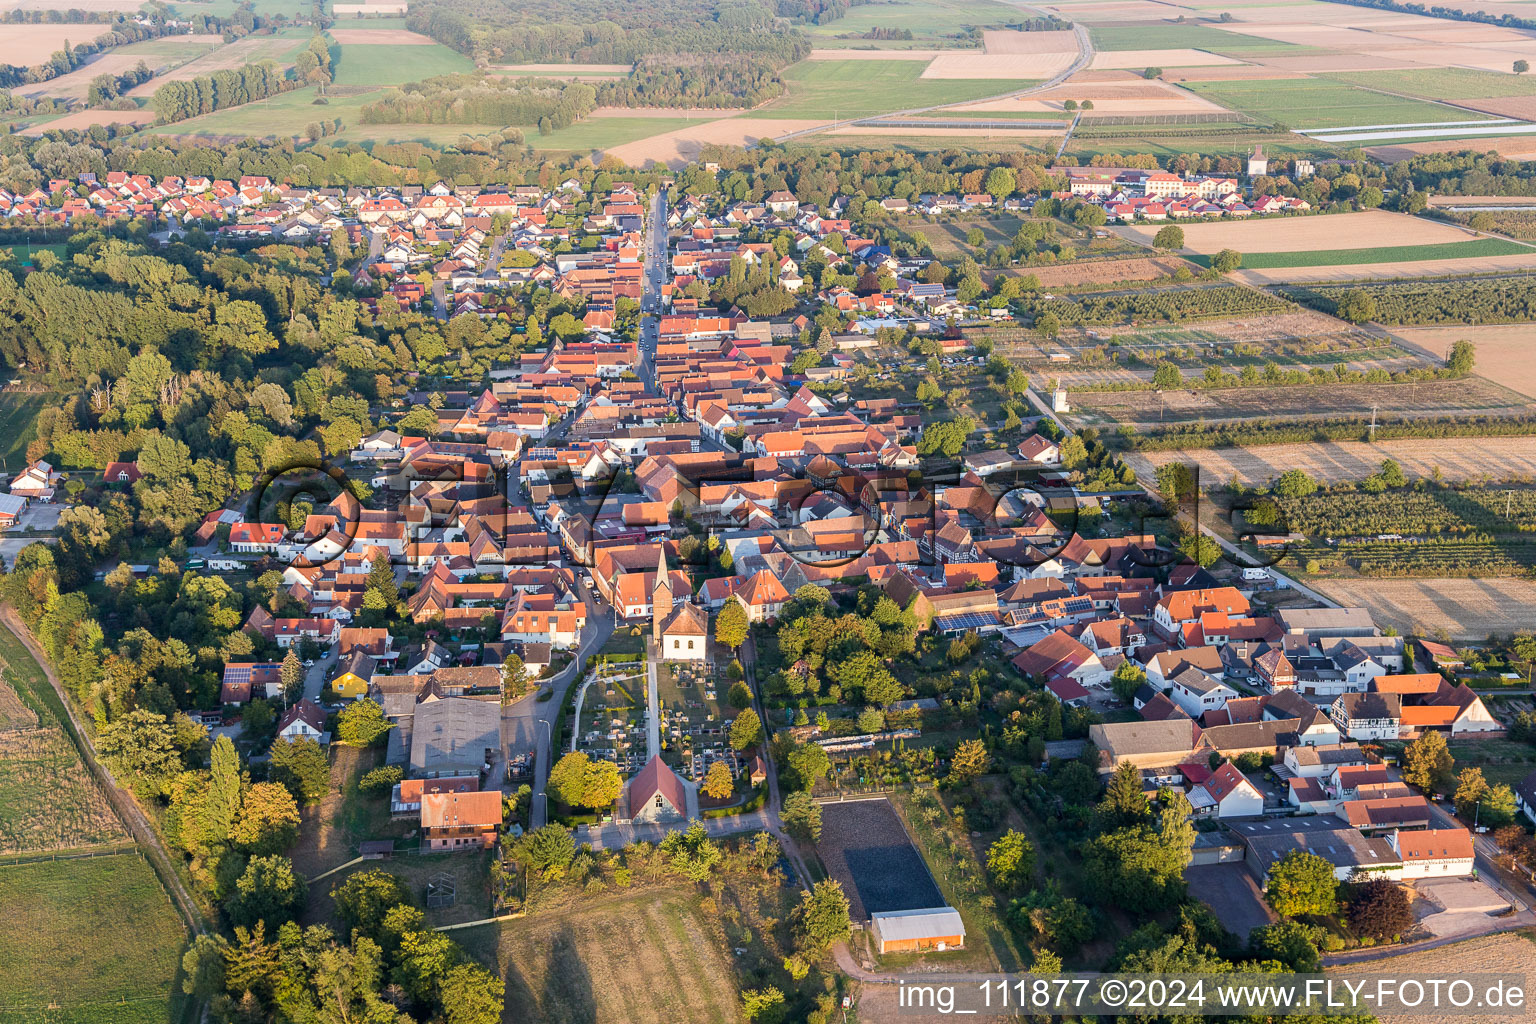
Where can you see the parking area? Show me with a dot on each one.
(1232, 894)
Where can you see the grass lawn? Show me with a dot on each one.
(98, 938)
(284, 115)
(1387, 254)
(914, 141)
(167, 48)
(1321, 103)
(1190, 36)
(1443, 83)
(18, 415)
(929, 20)
(859, 88)
(604, 132)
(645, 956)
(393, 64)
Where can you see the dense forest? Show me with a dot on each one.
(483, 99)
(723, 47)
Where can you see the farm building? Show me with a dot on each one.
(899, 931)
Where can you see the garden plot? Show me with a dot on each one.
(866, 848)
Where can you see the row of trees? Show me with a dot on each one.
(482, 99)
(230, 87)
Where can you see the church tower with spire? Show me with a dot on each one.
(661, 596)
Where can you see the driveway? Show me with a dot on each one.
(1231, 892)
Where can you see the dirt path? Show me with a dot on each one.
(123, 802)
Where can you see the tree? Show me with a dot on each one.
(746, 730)
(1048, 324)
(718, 783)
(807, 763)
(268, 822)
(1295, 483)
(364, 899)
(1497, 807)
(1520, 67)
(1226, 261)
(577, 780)
(731, 625)
(1125, 800)
(822, 919)
(1001, 183)
(514, 678)
(1127, 680)
(1302, 883)
(1378, 909)
(1169, 237)
(269, 891)
(362, 723)
(1427, 763)
(1470, 787)
(739, 696)
(970, 762)
(224, 784)
(802, 817)
(692, 853)
(470, 994)
(1462, 358)
(1357, 306)
(1011, 861)
(547, 851)
(140, 749)
(1287, 942)
(763, 1005)
(292, 675)
(301, 766)
(1166, 377)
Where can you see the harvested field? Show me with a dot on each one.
(648, 957)
(1514, 147)
(1237, 73)
(25, 45)
(681, 145)
(1523, 107)
(1469, 608)
(1117, 98)
(1505, 352)
(1504, 952)
(74, 85)
(949, 132)
(1325, 62)
(1064, 41)
(1460, 201)
(1386, 271)
(1501, 458)
(1471, 397)
(865, 847)
(1089, 76)
(249, 50)
(1178, 58)
(389, 36)
(1088, 272)
(47, 799)
(93, 941)
(1304, 234)
(14, 715)
(835, 54)
(972, 65)
(85, 118)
